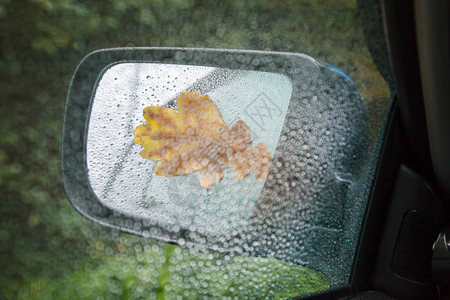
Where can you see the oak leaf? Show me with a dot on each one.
(197, 139)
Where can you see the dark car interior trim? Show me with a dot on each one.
(402, 41)
(433, 38)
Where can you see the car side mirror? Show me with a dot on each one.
(307, 114)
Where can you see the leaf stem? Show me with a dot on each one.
(164, 274)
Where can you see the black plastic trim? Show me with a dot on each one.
(411, 194)
(334, 293)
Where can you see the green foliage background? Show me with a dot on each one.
(47, 250)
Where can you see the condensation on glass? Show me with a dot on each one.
(310, 208)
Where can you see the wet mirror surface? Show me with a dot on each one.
(124, 181)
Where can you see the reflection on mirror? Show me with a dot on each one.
(125, 182)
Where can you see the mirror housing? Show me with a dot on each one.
(315, 194)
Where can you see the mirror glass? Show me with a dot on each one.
(126, 182)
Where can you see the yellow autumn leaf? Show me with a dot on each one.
(197, 139)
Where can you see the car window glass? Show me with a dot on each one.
(54, 253)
